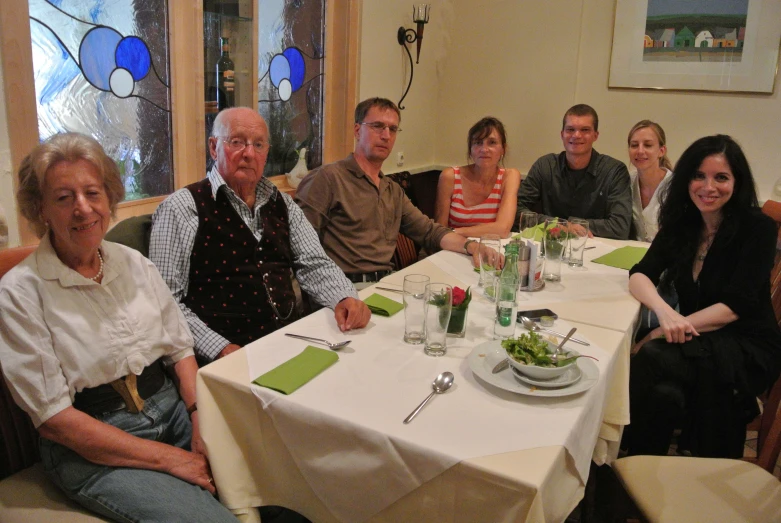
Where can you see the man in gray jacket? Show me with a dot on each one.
(579, 181)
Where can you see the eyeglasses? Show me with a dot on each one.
(378, 127)
(236, 144)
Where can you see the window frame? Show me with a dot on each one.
(187, 87)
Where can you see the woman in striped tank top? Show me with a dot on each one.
(481, 197)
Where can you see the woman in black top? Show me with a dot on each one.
(702, 368)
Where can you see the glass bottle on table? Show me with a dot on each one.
(506, 293)
(225, 77)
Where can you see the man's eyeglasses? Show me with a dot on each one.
(378, 127)
(236, 144)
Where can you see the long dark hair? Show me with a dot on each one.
(680, 219)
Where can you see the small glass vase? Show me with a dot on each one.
(457, 326)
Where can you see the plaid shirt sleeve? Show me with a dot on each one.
(317, 274)
(174, 226)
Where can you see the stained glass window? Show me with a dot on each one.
(291, 38)
(102, 69)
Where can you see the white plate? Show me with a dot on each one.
(485, 356)
(572, 375)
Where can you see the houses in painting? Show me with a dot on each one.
(716, 37)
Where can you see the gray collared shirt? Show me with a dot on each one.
(600, 193)
(175, 224)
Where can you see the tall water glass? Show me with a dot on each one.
(506, 309)
(414, 314)
(489, 254)
(527, 224)
(555, 238)
(438, 306)
(578, 236)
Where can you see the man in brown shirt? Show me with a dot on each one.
(358, 212)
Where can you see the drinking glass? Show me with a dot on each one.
(414, 315)
(489, 254)
(554, 238)
(506, 308)
(437, 307)
(578, 236)
(527, 223)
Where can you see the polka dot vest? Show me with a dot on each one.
(240, 287)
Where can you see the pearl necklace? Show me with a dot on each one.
(100, 271)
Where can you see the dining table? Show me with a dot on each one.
(488, 449)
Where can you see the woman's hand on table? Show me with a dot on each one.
(490, 256)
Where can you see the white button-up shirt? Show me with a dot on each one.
(61, 332)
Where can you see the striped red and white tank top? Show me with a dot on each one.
(484, 212)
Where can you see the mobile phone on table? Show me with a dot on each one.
(536, 314)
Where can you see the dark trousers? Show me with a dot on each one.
(661, 381)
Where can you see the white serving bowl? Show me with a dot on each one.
(543, 373)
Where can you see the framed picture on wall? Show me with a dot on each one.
(700, 45)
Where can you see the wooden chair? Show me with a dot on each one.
(406, 252)
(26, 494)
(674, 488)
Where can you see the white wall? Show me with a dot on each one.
(384, 72)
(526, 62)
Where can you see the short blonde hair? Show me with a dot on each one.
(65, 147)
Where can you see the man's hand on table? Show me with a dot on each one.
(490, 256)
(231, 347)
(351, 314)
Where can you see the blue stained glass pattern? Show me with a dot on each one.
(101, 68)
(96, 56)
(279, 70)
(297, 67)
(291, 37)
(133, 55)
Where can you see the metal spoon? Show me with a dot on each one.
(529, 324)
(555, 356)
(440, 385)
(332, 346)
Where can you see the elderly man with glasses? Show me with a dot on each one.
(226, 247)
(358, 212)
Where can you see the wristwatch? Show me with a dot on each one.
(466, 245)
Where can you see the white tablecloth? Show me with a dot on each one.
(336, 449)
(347, 423)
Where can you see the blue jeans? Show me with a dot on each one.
(136, 495)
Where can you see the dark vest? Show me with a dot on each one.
(240, 287)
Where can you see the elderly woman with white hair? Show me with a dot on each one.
(85, 327)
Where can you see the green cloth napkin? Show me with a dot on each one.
(298, 370)
(531, 231)
(383, 306)
(623, 257)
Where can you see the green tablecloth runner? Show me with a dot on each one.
(623, 257)
(298, 370)
(383, 306)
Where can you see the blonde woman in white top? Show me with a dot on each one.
(648, 154)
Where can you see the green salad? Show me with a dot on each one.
(531, 349)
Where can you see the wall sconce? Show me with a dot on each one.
(420, 14)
